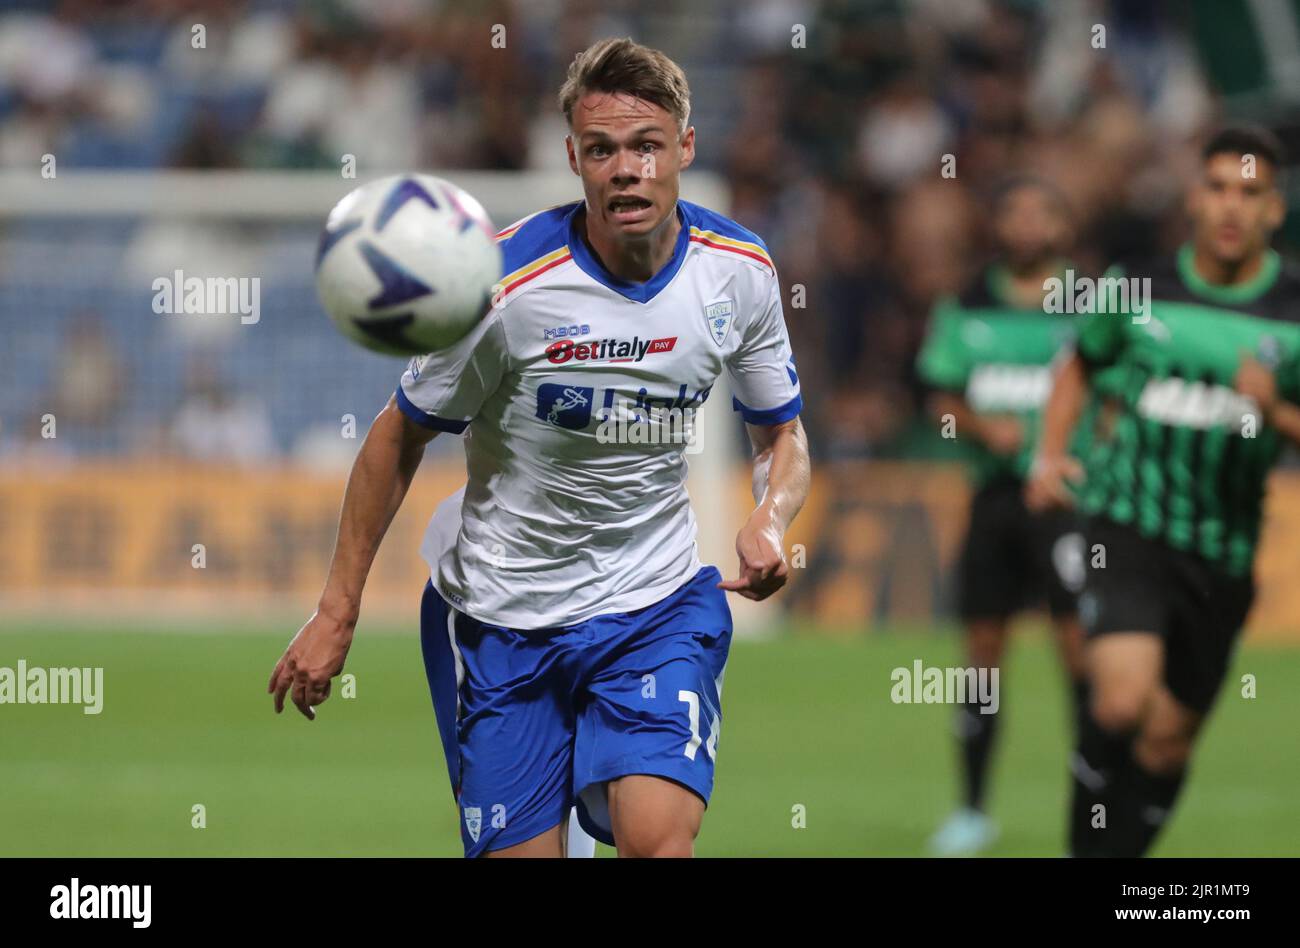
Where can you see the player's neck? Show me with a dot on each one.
(1226, 272)
(634, 260)
(1025, 286)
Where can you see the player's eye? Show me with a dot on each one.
(647, 147)
(597, 151)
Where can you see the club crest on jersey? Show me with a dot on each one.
(718, 316)
(566, 406)
(474, 821)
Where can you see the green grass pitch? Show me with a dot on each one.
(808, 721)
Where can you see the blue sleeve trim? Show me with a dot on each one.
(769, 416)
(426, 420)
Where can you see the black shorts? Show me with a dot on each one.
(1013, 559)
(1147, 586)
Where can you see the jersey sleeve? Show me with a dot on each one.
(764, 383)
(944, 361)
(1100, 334)
(1287, 375)
(444, 390)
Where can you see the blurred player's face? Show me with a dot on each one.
(1030, 227)
(629, 155)
(1233, 214)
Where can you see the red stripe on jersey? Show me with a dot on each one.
(744, 253)
(538, 272)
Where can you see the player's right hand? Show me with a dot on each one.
(312, 659)
(1049, 482)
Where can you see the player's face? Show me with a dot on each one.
(1030, 227)
(629, 154)
(1233, 212)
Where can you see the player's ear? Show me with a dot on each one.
(1276, 212)
(688, 148)
(573, 156)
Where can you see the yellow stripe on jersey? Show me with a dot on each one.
(742, 246)
(539, 263)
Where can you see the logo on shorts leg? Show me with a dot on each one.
(1089, 610)
(474, 821)
(566, 406)
(1070, 561)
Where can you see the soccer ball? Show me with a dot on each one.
(407, 264)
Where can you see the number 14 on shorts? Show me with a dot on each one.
(692, 702)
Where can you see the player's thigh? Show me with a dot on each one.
(651, 816)
(660, 719)
(549, 844)
(653, 701)
(515, 738)
(1124, 669)
(1126, 612)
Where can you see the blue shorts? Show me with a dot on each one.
(534, 722)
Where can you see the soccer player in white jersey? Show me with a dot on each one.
(574, 643)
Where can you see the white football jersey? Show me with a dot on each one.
(575, 395)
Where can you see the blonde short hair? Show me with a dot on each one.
(623, 65)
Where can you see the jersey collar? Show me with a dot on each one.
(1246, 292)
(636, 292)
(998, 281)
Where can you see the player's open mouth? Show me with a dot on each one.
(629, 208)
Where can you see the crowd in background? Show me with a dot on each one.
(859, 139)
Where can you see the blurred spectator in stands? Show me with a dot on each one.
(214, 424)
(26, 444)
(91, 380)
(45, 66)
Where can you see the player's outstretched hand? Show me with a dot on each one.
(763, 569)
(307, 666)
(1049, 482)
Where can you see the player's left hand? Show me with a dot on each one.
(312, 660)
(763, 568)
(1255, 381)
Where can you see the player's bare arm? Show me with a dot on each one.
(380, 477)
(1256, 380)
(782, 474)
(1054, 469)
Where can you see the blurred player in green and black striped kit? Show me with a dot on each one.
(988, 361)
(1209, 381)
